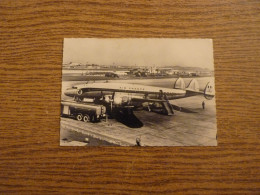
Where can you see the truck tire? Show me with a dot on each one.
(86, 118)
(79, 117)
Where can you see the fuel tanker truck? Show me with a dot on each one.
(83, 111)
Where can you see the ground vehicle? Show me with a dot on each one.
(111, 74)
(141, 74)
(83, 111)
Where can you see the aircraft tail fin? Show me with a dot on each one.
(179, 84)
(209, 91)
(193, 86)
(193, 89)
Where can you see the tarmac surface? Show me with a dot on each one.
(194, 127)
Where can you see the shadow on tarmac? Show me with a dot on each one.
(127, 117)
(181, 109)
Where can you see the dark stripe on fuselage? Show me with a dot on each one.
(132, 91)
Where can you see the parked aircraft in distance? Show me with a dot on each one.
(122, 95)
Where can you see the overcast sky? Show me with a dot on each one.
(140, 52)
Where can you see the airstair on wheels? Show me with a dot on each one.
(168, 107)
(166, 104)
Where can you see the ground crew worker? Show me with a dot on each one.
(138, 141)
(203, 105)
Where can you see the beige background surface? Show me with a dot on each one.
(31, 161)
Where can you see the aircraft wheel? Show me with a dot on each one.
(86, 118)
(79, 117)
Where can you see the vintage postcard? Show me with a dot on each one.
(138, 92)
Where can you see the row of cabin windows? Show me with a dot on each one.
(138, 89)
(132, 88)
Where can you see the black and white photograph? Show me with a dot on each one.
(138, 92)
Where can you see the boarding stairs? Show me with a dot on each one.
(167, 106)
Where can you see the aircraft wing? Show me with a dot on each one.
(147, 100)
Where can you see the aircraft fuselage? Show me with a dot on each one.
(98, 90)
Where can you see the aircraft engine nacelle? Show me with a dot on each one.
(209, 91)
(120, 100)
(74, 92)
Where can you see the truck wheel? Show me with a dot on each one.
(79, 117)
(86, 118)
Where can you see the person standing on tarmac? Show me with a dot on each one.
(138, 141)
(203, 105)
